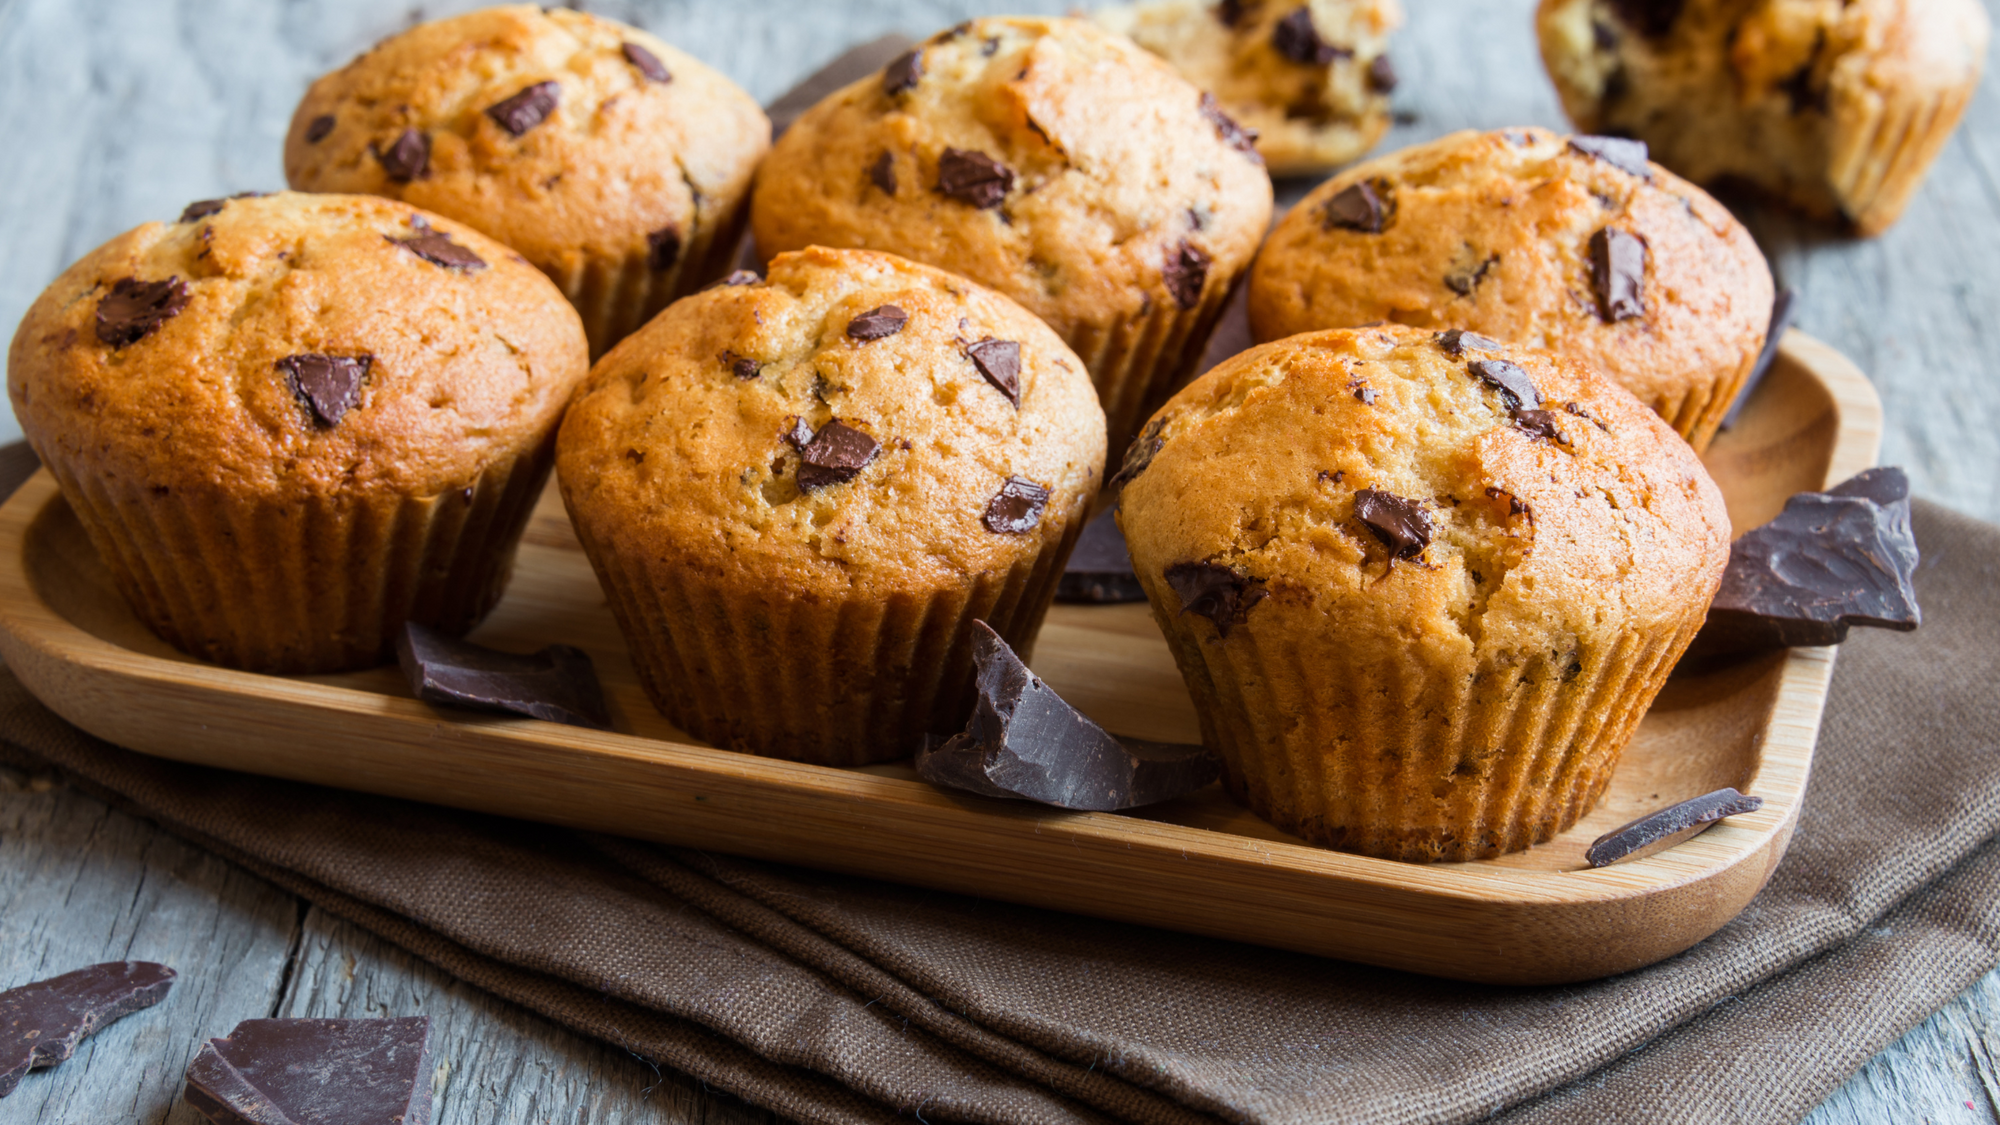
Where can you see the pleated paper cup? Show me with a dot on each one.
(1139, 361)
(1886, 143)
(615, 295)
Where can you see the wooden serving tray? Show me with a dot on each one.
(1200, 864)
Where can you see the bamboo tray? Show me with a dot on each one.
(1200, 864)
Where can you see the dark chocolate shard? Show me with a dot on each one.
(877, 323)
(1017, 508)
(903, 73)
(1830, 561)
(1516, 389)
(526, 109)
(1382, 76)
(1000, 362)
(1672, 825)
(437, 248)
(663, 249)
(1099, 570)
(1652, 18)
(1540, 425)
(1233, 134)
(974, 178)
(1223, 594)
(1622, 153)
(134, 309)
(1400, 524)
(1185, 272)
(313, 1071)
(1297, 39)
(1139, 455)
(320, 127)
(407, 158)
(883, 173)
(1618, 274)
(1356, 207)
(1454, 342)
(1026, 743)
(557, 684)
(647, 63)
(328, 385)
(835, 454)
(1781, 320)
(42, 1023)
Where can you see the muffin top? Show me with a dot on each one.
(1061, 165)
(1435, 491)
(1312, 79)
(554, 131)
(1574, 244)
(855, 421)
(307, 344)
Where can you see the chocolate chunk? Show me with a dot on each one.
(299, 1071)
(1672, 825)
(134, 308)
(1017, 508)
(1618, 272)
(647, 63)
(1099, 570)
(1185, 272)
(437, 248)
(663, 249)
(835, 454)
(1382, 75)
(1465, 280)
(41, 1023)
(557, 684)
(1454, 342)
(878, 322)
(1831, 560)
(1025, 742)
(1622, 153)
(1516, 389)
(526, 109)
(408, 158)
(1139, 455)
(735, 278)
(1781, 319)
(328, 385)
(1364, 393)
(320, 127)
(903, 72)
(883, 173)
(1000, 362)
(1233, 134)
(974, 178)
(201, 209)
(1653, 18)
(1297, 39)
(1400, 524)
(1540, 425)
(1356, 207)
(799, 436)
(741, 366)
(1223, 594)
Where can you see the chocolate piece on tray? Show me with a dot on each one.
(41, 1023)
(1781, 320)
(558, 683)
(1830, 560)
(1024, 742)
(1659, 831)
(324, 1072)
(1100, 569)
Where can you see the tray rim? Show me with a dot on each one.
(64, 665)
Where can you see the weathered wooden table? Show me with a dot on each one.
(118, 111)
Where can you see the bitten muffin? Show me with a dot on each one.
(1311, 80)
(1837, 106)
(1421, 586)
(1578, 245)
(1048, 160)
(291, 423)
(618, 165)
(800, 493)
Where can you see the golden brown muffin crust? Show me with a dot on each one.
(468, 365)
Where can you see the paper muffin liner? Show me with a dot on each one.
(1701, 409)
(835, 682)
(1885, 144)
(616, 296)
(1138, 362)
(1409, 762)
(290, 584)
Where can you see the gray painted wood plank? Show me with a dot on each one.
(1946, 1071)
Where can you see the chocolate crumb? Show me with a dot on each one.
(1622, 153)
(1540, 425)
(1454, 342)
(883, 173)
(1618, 273)
(877, 323)
(437, 248)
(647, 63)
(663, 249)
(328, 385)
(835, 454)
(1297, 39)
(1000, 362)
(1382, 75)
(1357, 207)
(974, 178)
(134, 309)
(903, 73)
(1516, 389)
(407, 158)
(1400, 524)
(41, 1023)
(526, 109)
(1017, 508)
(1185, 272)
(320, 127)
(1233, 134)
(1661, 830)
(1363, 392)
(1223, 594)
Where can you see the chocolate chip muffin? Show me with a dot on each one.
(1311, 80)
(800, 493)
(1578, 245)
(1048, 160)
(1422, 586)
(613, 162)
(1836, 106)
(291, 423)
